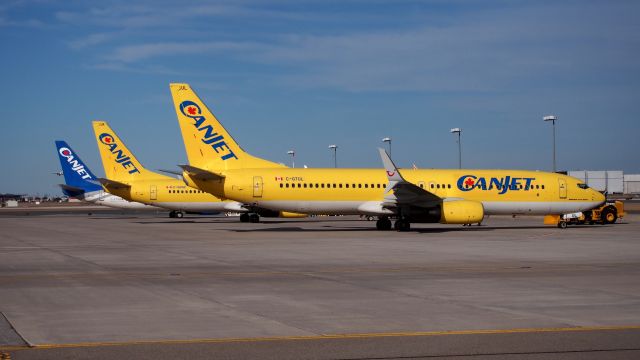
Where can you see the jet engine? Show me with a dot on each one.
(461, 212)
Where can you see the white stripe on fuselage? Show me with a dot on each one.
(375, 208)
(101, 197)
(202, 206)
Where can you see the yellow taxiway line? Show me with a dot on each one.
(326, 337)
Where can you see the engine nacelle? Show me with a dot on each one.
(461, 212)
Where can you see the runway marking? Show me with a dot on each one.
(329, 336)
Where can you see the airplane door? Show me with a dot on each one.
(153, 193)
(563, 188)
(257, 186)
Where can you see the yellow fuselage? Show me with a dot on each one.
(173, 194)
(358, 191)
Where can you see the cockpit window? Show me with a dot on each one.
(583, 186)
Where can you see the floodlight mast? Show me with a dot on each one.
(553, 119)
(459, 132)
(293, 157)
(387, 140)
(335, 154)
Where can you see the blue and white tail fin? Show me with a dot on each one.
(77, 176)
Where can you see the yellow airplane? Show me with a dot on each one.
(219, 166)
(127, 178)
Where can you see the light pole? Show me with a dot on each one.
(293, 157)
(553, 119)
(335, 155)
(459, 132)
(388, 140)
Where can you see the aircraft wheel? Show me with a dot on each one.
(383, 224)
(402, 225)
(608, 216)
(179, 214)
(562, 224)
(244, 217)
(254, 218)
(172, 214)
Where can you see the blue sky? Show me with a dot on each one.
(303, 75)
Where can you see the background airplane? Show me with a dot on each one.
(81, 183)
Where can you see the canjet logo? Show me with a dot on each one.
(192, 110)
(75, 164)
(503, 184)
(121, 158)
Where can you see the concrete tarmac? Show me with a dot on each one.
(111, 285)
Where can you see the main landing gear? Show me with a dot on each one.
(383, 224)
(401, 224)
(176, 214)
(249, 217)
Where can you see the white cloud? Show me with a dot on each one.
(133, 53)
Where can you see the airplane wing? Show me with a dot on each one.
(112, 184)
(404, 192)
(201, 174)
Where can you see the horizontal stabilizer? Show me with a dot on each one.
(74, 189)
(112, 184)
(201, 174)
(173, 172)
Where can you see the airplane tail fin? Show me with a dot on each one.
(208, 144)
(118, 161)
(77, 176)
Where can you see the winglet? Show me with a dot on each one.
(393, 175)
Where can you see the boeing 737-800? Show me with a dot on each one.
(126, 177)
(219, 166)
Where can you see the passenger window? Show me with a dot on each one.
(334, 186)
(287, 185)
(281, 185)
(317, 186)
(304, 185)
(322, 186)
(340, 186)
(359, 186)
(542, 186)
(421, 186)
(432, 186)
(449, 186)
(299, 185)
(366, 186)
(438, 186)
(353, 185)
(346, 185)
